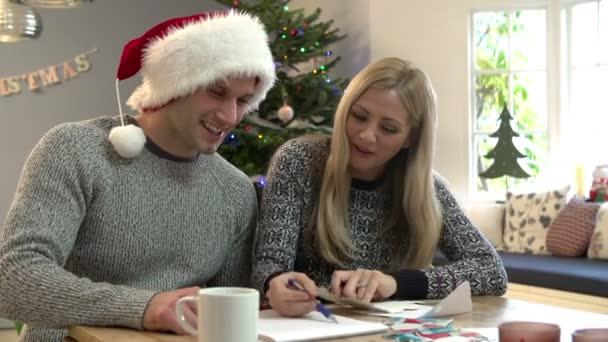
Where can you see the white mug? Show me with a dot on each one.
(226, 314)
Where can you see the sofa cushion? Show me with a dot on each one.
(570, 232)
(560, 273)
(528, 217)
(598, 247)
(489, 218)
(579, 275)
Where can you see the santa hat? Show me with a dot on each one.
(181, 55)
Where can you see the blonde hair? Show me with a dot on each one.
(415, 215)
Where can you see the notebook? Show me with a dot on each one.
(274, 327)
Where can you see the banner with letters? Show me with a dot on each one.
(45, 77)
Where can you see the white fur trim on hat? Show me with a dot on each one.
(201, 53)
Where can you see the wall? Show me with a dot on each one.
(106, 25)
(352, 18)
(431, 33)
(434, 34)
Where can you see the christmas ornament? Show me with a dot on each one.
(285, 113)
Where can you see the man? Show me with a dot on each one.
(113, 233)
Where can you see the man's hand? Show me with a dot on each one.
(289, 301)
(363, 284)
(160, 312)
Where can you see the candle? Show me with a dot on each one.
(579, 185)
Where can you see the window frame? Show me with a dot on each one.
(551, 123)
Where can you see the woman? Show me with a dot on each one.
(362, 212)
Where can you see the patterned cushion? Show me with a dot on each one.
(528, 217)
(489, 218)
(598, 247)
(570, 232)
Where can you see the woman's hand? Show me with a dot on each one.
(363, 284)
(289, 301)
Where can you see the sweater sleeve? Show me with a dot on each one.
(279, 225)
(39, 234)
(236, 271)
(471, 255)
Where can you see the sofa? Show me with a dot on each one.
(573, 274)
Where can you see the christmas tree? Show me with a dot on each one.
(304, 97)
(505, 154)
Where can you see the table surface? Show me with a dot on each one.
(487, 312)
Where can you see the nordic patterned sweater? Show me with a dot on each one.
(284, 235)
(91, 236)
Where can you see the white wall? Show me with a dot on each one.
(433, 34)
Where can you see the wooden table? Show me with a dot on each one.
(487, 312)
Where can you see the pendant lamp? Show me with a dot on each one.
(18, 22)
(54, 3)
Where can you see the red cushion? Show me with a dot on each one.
(569, 234)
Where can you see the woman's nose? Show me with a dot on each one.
(368, 134)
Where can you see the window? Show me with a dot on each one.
(509, 70)
(585, 50)
(561, 123)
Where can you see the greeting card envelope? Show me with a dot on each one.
(274, 327)
(459, 301)
(325, 294)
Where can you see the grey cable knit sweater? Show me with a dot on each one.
(91, 237)
(284, 235)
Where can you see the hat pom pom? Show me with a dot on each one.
(128, 141)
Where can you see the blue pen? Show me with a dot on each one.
(320, 307)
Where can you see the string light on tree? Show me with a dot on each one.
(231, 140)
(299, 43)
